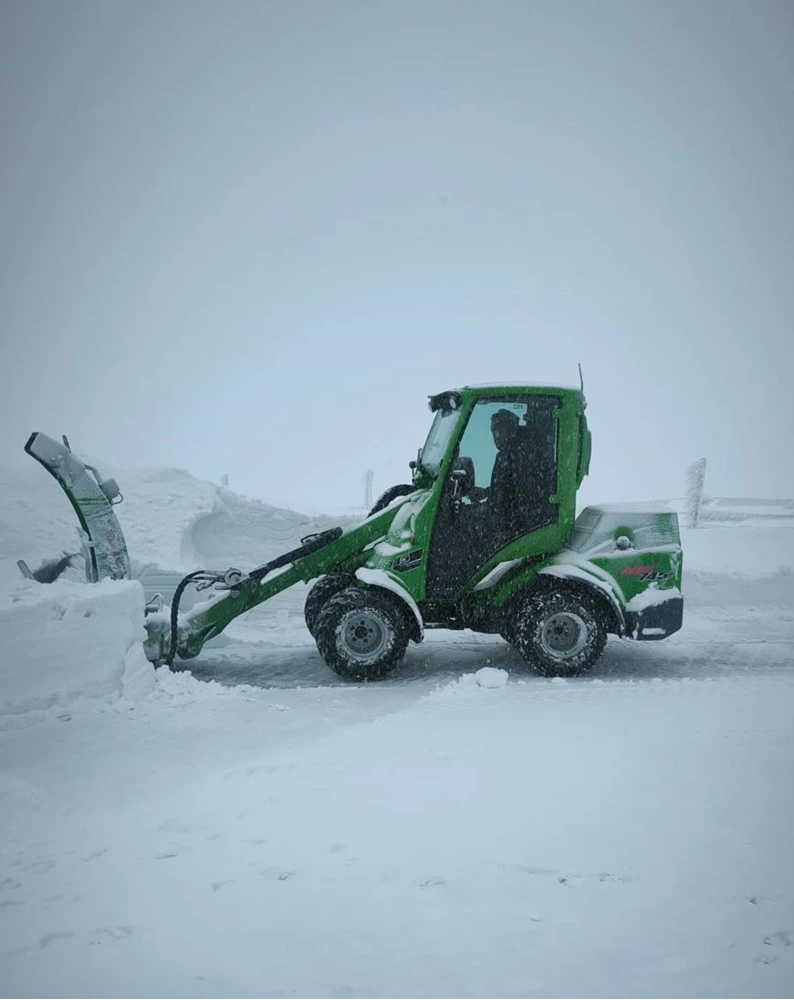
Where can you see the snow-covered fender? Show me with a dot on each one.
(380, 578)
(596, 579)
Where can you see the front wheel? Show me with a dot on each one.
(559, 634)
(362, 634)
(321, 592)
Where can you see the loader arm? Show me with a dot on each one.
(170, 633)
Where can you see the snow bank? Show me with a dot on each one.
(159, 509)
(36, 520)
(726, 566)
(70, 640)
(172, 522)
(755, 551)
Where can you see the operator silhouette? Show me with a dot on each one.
(504, 501)
(509, 476)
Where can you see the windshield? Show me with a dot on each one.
(438, 439)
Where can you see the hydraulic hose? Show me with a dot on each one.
(310, 544)
(183, 583)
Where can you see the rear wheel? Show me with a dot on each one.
(401, 490)
(559, 634)
(362, 634)
(322, 591)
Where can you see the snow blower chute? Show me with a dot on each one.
(92, 497)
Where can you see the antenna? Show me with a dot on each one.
(581, 378)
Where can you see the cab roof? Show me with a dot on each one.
(453, 398)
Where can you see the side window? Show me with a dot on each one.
(477, 442)
(512, 446)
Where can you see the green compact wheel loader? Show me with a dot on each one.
(484, 537)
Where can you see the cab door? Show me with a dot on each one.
(477, 514)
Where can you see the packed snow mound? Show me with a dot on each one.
(169, 517)
(159, 509)
(490, 677)
(248, 532)
(743, 564)
(173, 523)
(36, 520)
(757, 551)
(65, 641)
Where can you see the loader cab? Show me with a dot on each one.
(506, 481)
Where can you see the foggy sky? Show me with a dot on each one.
(252, 238)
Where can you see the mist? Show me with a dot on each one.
(251, 239)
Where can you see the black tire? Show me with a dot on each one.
(559, 634)
(322, 591)
(362, 634)
(401, 490)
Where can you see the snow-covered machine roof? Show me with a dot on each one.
(523, 385)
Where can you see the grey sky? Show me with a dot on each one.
(254, 237)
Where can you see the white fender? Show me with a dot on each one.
(380, 578)
(569, 571)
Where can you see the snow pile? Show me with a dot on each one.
(738, 565)
(36, 520)
(246, 532)
(491, 677)
(722, 510)
(68, 640)
(172, 522)
(755, 551)
(159, 509)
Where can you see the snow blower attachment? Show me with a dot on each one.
(92, 497)
(485, 537)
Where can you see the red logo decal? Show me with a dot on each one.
(635, 570)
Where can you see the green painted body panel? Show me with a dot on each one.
(654, 557)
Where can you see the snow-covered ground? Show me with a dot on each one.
(256, 827)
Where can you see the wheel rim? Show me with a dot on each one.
(364, 634)
(563, 635)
